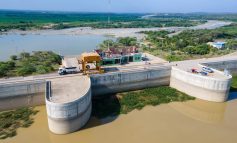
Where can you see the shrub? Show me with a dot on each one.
(27, 69)
(13, 57)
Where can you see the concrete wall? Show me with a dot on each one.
(68, 117)
(203, 87)
(24, 94)
(230, 65)
(127, 81)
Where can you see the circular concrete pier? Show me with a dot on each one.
(68, 104)
(214, 87)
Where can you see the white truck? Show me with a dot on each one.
(68, 70)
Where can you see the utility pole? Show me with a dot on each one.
(109, 9)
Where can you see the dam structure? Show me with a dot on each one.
(68, 98)
(130, 80)
(21, 94)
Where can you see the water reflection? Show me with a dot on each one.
(232, 96)
(204, 111)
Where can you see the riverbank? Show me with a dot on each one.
(117, 32)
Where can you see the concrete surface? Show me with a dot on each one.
(16, 95)
(202, 87)
(69, 89)
(128, 80)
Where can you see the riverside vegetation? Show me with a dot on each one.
(234, 83)
(124, 103)
(190, 44)
(10, 121)
(39, 62)
(119, 43)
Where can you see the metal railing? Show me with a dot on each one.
(48, 92)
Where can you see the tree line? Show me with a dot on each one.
(39, 62)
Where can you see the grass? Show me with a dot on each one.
(124, 103)
(234, 83)
(10, 121)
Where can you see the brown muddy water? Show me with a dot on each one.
(189, 122)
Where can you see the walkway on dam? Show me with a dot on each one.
(186, 64)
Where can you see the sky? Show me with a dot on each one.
(124, 6)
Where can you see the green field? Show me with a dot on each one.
(124, 103)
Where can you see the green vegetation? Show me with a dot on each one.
(126, 102)
(25, 20)
(26, 64)
(119, 43)
(191, 43)
(234, 83)
(200, 16)
(10, 121)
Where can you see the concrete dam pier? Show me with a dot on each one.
(214, 89)
(68, 103)
(68, 100)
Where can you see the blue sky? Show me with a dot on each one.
(123, 5)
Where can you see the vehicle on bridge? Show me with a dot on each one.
(207, 69)
(68, 70)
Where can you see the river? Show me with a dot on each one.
(74, 41)
(193, 121)
(13, 44)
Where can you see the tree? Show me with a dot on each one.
(5, 67)
(231, 44)
(13, 57)
(27, 69)
(107, 43)
(127, 41)
(24, 55)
